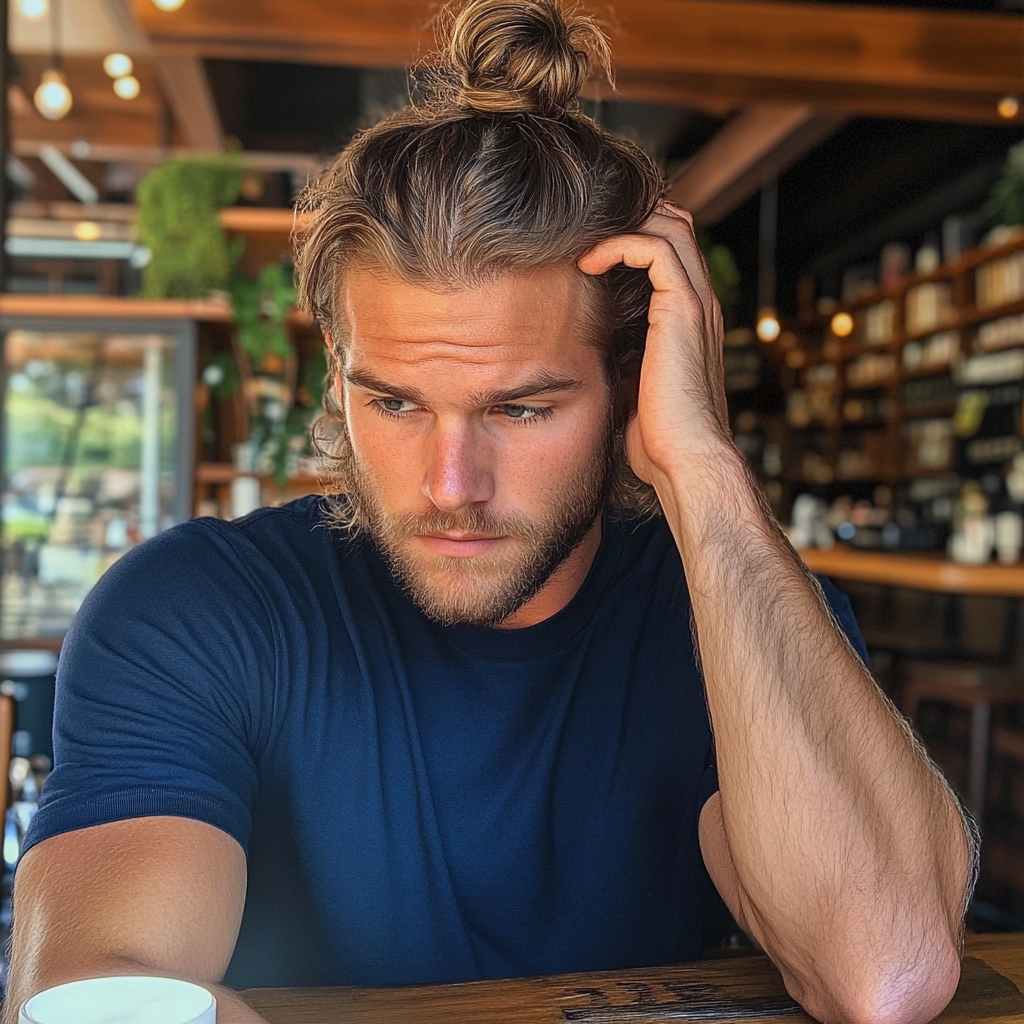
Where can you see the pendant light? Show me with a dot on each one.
(52, 96)
(767, 319)
(168, 5)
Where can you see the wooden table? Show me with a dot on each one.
(737, 989)
(920, 572)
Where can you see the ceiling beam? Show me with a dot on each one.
(860, 60)
(184, 83)
(755, 146)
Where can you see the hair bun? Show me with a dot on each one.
(522, 55)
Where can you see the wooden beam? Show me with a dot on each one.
(899, 62)
(184, 83)
(754, 146)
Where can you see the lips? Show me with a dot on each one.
(460, 545)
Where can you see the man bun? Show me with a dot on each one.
(528, 55)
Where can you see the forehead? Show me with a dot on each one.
(509, 321)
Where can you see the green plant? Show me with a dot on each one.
(178, 205)
(1006, 201)
(261, 308)
(724, 274)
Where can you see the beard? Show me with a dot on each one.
(483, 590)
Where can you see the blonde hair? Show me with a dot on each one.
(496, 171)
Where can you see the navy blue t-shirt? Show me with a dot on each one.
(417, 803)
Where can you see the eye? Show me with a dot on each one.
(394, 406)
(525, 412)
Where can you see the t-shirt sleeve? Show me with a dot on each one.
(162, 690)
(843, 612)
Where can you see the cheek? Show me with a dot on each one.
(388, 457)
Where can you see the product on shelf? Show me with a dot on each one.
(936, 350)
(876, 368)
(880, 322)
(929, 305)
(1001, 333)
(928, 444)
(999, 281)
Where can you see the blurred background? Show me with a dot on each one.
(856, 172)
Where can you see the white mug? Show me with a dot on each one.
(121, 1000)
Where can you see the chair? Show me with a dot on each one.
(972, 686)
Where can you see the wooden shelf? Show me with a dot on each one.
(821, 347)
(115, 307)
(921, 572)
(224, 473)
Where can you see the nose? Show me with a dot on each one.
(457, 474)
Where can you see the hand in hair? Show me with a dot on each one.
(681, 406)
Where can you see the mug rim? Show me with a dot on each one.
(26, 1010)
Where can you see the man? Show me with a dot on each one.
(455, 727)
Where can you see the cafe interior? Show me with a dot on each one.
(855, 172)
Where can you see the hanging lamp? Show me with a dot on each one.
(52, 96)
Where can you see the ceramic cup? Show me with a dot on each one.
(123, 1000)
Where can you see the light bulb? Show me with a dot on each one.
(87, 231)
(34, 9)
(127, 88)
(168, 5)
(1008, 106)
(842, 325)
(767, 325)
(52, 96)
(117, 65)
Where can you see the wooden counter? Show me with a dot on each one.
(921, 572)
(739, 989)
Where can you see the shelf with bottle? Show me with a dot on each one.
(902, 357)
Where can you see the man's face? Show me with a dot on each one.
(480, 432)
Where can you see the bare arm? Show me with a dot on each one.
(160, 896)
(833, 840)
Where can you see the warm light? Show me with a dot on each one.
(127, 88)
(842, 325)
(52, 96)
(168, 5)
(87, 231)
(34, 9)
(767, 325)
(117, 65)
(1008, 106)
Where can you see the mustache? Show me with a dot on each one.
(467, 520)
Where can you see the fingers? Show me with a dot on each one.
(673, 224)
(653, 253)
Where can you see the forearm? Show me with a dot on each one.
(849, 851)
(34, 973)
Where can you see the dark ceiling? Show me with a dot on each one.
(875, 181)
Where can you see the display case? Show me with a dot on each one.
(98, 452)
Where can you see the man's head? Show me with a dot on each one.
(469, 212)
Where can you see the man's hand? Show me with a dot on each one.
(681, 409)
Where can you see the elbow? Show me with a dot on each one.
(904, 994)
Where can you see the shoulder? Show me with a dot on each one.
(209, 567)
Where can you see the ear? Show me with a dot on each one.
(627, 391)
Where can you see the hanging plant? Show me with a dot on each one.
(178, 204)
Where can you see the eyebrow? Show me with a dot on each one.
(540, 384)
